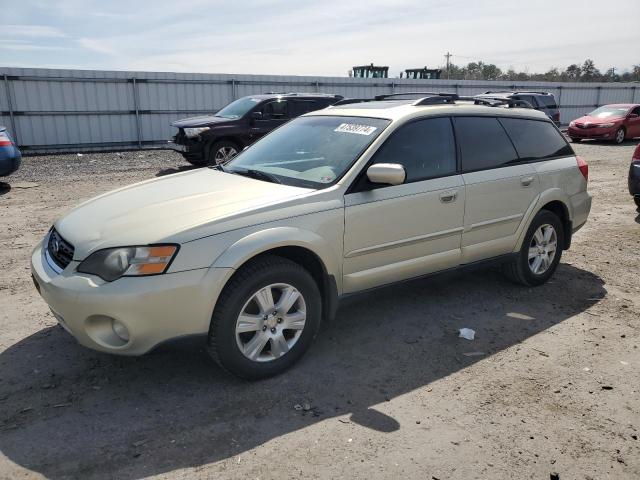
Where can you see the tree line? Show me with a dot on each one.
(587, 72)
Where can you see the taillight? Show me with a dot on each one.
(583, 167)
(5, 141)
(556, 116)
(636, 154)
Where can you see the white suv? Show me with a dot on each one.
(256, 253)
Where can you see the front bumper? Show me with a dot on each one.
(592, 133)
(153, 309)
(190, 148)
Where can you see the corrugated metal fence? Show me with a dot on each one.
(73, 110)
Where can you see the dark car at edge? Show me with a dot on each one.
(215, 139)
(634, 176)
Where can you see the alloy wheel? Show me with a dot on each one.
(542, 249)
(271, 322)
(620, 136)
(224, 154)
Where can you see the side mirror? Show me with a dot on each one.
(256, 115)
(386, 173)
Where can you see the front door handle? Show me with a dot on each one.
(448, 197)
(526, 181)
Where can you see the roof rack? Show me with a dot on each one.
(516, 92)
(311, 94)
(431, 98)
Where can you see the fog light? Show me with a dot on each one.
(120, 330)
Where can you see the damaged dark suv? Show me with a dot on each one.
(215, 139)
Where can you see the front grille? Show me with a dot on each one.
(60, 251)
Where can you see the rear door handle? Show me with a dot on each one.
(448, 197)
(526, 181)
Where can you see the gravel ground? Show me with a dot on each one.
(549, 385)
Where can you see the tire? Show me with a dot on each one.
(239, 352)
(522, 269)
(221, 152)
(620, 134)
(575, 140)
(637, 200)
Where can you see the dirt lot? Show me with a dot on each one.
(550, 384)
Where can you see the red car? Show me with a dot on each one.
(611, 122)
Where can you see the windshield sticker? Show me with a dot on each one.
(357, 129)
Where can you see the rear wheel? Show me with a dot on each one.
(221, 152)
(620, 134)
(265, 319)
(541, 251)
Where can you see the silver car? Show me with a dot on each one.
(255, 254)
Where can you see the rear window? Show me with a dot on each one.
(547, 101)
(483, 143)
(536, 140)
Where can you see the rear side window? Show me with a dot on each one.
(528, 98)
(426, 149)
(536, 140)
(547, 101)
(300, 107)
(483, 143)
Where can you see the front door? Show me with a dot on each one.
(273, 113)
(398, 232)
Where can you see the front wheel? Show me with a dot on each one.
(221, 152)
(620, 134)
(266, 318)
(540, 253)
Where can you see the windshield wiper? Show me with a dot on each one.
(257, 174)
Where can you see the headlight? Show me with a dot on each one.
(605, 125)
(194, 132)
(572, 124)
(113, 263)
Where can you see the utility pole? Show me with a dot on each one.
(448, 56)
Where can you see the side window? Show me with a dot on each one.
(483, 143)
(275, 110)
(530, 99)
(300, 107)
(535, 140)
(636, 111)
(426, 149)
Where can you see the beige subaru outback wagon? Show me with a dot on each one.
(256, 253)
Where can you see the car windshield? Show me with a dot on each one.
(310, 152)
(238, 108)
(607, 111)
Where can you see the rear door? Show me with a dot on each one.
(398, 232)
(499, 188)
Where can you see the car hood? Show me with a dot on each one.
(597, 120)
(199, 121)
(173, 208)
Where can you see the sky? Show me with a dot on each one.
(328, 37)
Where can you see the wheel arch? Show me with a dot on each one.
(303, 247)
(557, 202)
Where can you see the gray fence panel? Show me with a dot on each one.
(73, 110)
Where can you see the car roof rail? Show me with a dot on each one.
(393, 96)
(498, 102)
(534, 91)
(349, 101)
(308, 94)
